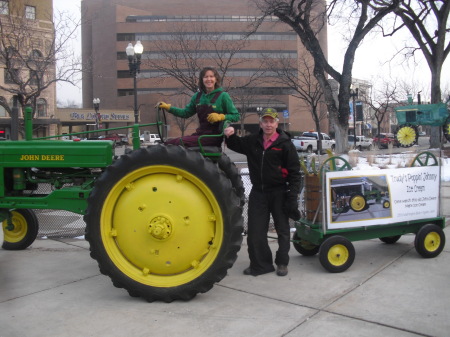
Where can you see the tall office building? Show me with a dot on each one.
(179, 38)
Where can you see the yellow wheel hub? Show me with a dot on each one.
(161, 226)
(338, 255)
(18, 230)
(432, 241)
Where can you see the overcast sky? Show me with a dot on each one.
(371, 59)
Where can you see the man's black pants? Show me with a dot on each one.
(261, 205)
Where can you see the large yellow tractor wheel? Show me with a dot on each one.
(164, 223)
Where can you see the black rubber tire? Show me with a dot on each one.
(309, 149)
(331, 257)
(390, 239)
(26, 228)
(163, 163)
(232, 172)
(429, 241)
(304, 248)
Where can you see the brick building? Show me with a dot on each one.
(183, 36)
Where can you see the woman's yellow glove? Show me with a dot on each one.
(214, 117)
(163, 105)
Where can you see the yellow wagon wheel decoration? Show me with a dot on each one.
(407, 135)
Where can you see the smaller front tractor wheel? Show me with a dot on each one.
(430, 241)
(21, 230)
(304, 247)
(336, 254)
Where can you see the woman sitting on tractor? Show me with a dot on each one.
(212, 106)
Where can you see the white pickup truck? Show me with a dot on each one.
(307, 142)
(361, 142)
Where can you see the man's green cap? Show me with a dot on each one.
(269, 112)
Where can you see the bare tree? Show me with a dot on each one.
(427, 21)
(189, 48)
(30, 55)
(244, 99)
(382, 101)
(302, 83)
(307, 18)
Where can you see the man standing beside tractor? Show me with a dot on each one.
(275, 175)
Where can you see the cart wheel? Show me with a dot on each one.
(446, 128)
(425, 159)
(406, 135)
(430, 241)
(336, 254)
(304, 247)
(335, 163)
(391, 239)
(23, 230)
(386, 204)
(358, 203)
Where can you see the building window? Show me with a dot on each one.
(4, 7)
(34, 78)
(41, 107)
(3, 112)
(30, 12)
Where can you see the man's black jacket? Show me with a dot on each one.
(276, 167)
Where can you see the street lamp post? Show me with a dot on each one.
(134, 63)
(353, 95)
(96, 102)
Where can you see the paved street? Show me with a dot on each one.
(55, 289)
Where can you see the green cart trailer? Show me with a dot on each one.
(327, 230)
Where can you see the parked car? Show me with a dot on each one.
(308, 142)
(362, 142)
(114, 137)
(384, 140)
(124, 138)
(150, 138)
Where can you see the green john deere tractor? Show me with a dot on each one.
(163, 222)
(413, 115)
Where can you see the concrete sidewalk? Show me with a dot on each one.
(55, 289)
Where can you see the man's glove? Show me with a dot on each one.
(163, 105)
(214, 117)
(290, 207)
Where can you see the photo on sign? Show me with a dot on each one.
(359, 198)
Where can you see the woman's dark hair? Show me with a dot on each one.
(203, 73)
